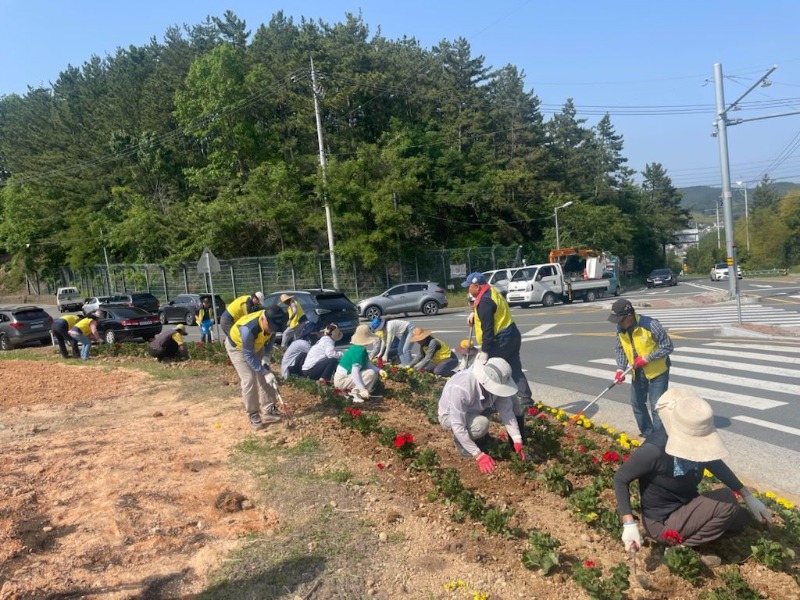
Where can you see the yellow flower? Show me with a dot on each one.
(707, 474)
(770, 495)
(587, 424)
(611, 430)
(636, 443)
(604, 426)
(479, 596)
(625, 445)
(785, 503)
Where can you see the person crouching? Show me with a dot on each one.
(169, 345)
(355, 371)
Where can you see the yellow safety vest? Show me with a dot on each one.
(502, 316)
(204, 314)
(295, 313)
(71, 320)
(85, 325)
(238, 308)
(261, 338)
(645, 345)
(442, 354)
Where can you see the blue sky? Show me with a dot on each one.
(607, 56)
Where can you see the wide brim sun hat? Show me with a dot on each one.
(689, 423)
(286, 297)
(363, 336)
(495, 377)
(419, 334)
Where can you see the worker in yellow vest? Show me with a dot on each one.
(85, 331)
(60, 329)
(241, 306)
(250, 339)
(435, 355)
(644, 343)
(297, 316)
(497, 335)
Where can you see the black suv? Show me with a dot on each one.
(184, 308)
(322, 307)
(143, 300)
(20, 325)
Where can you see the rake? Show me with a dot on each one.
(284, 409)
(600, 395)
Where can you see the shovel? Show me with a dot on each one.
(641, 578)
(600, 395)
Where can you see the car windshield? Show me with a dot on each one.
(30, 315)
(127, 313)
(721, 266)
(661, 273)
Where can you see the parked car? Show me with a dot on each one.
(92, 304)
(614, 288)
(68, 299)
(142, 300)
(184, 308)
(21, 325)
(127, 322)
(499, 278)
(719, 272)
(322, 307)
(425, 297)
(659, 277)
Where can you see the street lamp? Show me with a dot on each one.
(743, 184)
(565, 205)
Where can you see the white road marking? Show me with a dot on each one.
(744, 400)
(543, 337)
(759, 285)
(541, 329)
(738, 366)
(789, 360)
(768, 424)
(781, 349)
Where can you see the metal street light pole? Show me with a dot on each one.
(565, 205)
(746, 214)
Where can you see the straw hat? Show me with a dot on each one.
(363, 336)
(495, 376)
(689, 422)
(286, 298)
(333, 331)
(419, 334)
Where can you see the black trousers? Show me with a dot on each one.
(60, 332)
(324, 369)
(507, 345)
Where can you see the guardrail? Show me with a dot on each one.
(766, 273)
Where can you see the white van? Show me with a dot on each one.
(69, 299)
(499, 278)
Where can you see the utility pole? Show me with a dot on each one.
(323, 163)
(720, 124)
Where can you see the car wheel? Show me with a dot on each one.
(163, 318)
(372, 311)
(617, 292)
(549, 299)
(590, 296)
(110, 336)
(431, 307)
(4, 343)
(189, 318)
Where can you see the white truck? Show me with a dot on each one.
(546, 284)
(68, 299)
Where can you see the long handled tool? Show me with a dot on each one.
(640, 577)
(464, 362)
(283, 408)
(600, 395)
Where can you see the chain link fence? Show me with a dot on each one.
(296, 270)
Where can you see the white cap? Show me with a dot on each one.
(260, 296)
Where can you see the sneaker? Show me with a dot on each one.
(461, 450)
(272, 411)
(268, 418)
(710, 560)
(256, 422)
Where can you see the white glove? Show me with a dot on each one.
(482, 357)
(269, 379)
(631, 536)
(756, 506)
(266, 362)
(471, 319)
(363, 394)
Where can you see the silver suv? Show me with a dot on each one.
(426, 297)
(20, 325)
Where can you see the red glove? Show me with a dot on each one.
(518, 450)
(619, 376)
(639, 362)
(485, 463)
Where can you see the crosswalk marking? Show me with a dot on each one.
(678, 357)
(789, 360)
(712, 317)
(765, 347)
(744, 400)
(541, 329)
(759, 384)
(768, 424)
(547, 336)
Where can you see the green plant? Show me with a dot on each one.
(735, 587)
(427, 460)
(590, 578)
(771, 554)
(386, 436)
(404, 443)
(496, 521)
(584, 504)
(360, 421)
(472, 504)
(448, 483)
(683, 562)
(542, 553)
(555, 480)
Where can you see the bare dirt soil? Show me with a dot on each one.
(122, 483)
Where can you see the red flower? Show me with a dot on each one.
(403, 439)
(349, 409)
(355, 412)
(503, 436)
(589, 564)
(379, 363)
(595, 460)
(393, 369)
(533, 411)
(379, 465)
(582, 448)
(611, 457)
(672, 537)
(626, 457)
(542, 416)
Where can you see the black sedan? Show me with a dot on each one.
(127, 322)
(661, 277)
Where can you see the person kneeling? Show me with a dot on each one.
(169, 345)
(355, 372)
(669, 467)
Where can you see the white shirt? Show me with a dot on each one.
(462, 395)
(324, 348)
(293, 352)
(391, 330)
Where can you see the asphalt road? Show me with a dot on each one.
(753, 383)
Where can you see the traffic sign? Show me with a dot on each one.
(208, 263)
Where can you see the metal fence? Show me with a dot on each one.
(240, 276)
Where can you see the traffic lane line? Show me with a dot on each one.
(768, 424)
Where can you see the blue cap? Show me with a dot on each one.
(476, 277)
(375, 324)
